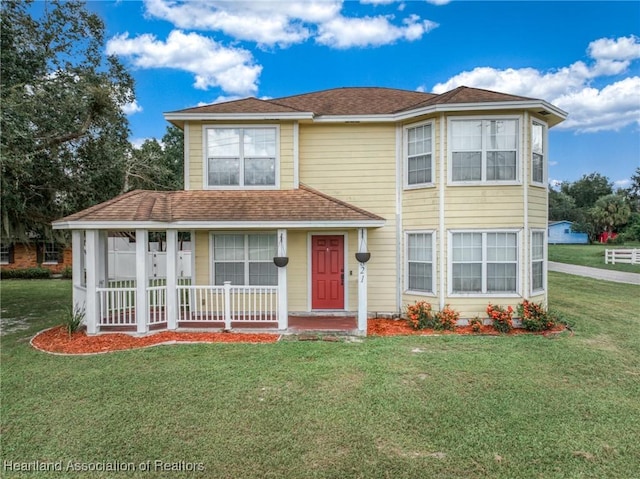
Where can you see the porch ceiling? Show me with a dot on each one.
(303, 207)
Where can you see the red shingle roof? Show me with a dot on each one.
(214, 206)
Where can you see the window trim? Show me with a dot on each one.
(483, 181)
(415, 292)
(245, 234)
(535, 292)
(240, 126)
(56, 250)
(483, 294)
(545, 153)
(405, 155)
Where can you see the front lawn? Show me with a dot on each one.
(590, 255)
(401, 407)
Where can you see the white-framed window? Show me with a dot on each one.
(484, 150)
(483, 262)
(538, 159)
(244, 259)
(50, 252)
(537, 260)
(241, 157)
(5, 253)
(418, 148)
(419, 254)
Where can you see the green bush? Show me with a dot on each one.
(67, 272)
(420, 316)
(73, 319)
(26, 273)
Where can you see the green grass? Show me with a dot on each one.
(590, 255)
(404, 407)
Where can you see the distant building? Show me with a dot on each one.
(560, 233)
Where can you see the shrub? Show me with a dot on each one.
(447, 318)
(67, 272)
(502, 318)
(476, 324)
(420, 315)
(534, 317)
(26, 273)
(73, 319)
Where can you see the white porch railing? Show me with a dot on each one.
(156, 304)
(117, 306)
(626, 256)
(227, 303)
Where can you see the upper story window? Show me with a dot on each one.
(484, 150)
(242, 157)
(419, 155)
(537, 153)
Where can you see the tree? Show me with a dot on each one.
(173, 141)
(610, 212)
(633, 192)
(562, 207)
(64, 134)
(588, 189)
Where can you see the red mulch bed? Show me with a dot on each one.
(393, 327)
(57, 340)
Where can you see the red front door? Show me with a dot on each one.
(327, 272)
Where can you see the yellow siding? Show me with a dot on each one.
(356, 163)
(538, 210)
(196, 153)
(202, 258)
(484, 206)
(297, 271)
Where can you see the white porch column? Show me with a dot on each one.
(362, 284)
(77, 268)
(92, 310)
(283, 302)
(103, 259)
(142, 238)
(172, 279)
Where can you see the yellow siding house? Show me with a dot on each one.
(318, 211)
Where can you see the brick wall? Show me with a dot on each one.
(25, 256)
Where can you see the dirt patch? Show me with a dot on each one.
(57, 340)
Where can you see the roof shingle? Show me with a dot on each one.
(301, 205)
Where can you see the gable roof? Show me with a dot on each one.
(385, 103)
(303, 207)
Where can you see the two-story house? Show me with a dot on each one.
(445, 194)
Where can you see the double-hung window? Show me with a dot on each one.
(484, 263)
(50, 252)
(484, 150)
(419, 276)
(537, 153)
(5, 253)
(241, 157)
(419, 154)
(537, 261)
(245, 259)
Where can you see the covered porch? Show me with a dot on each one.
(212, 298)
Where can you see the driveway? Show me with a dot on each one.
(595, 273)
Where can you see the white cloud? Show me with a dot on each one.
(590, 109)
(343, 32)
(138, 142)
(270, 23)
(213, 64)
(553, 163)
(131, 108)
(623, 183)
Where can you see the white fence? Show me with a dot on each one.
(117, 306)
(227, 303)
(122, 264)
(626, 256)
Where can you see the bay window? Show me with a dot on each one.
(419, 254)
(537, 153)
(245, 259)
(484, 150)
(241, 157)
(537, 261)
(484, 262)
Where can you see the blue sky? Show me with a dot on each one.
(584, 57)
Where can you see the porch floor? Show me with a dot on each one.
(333, 324)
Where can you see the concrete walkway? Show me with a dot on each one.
(596, 273)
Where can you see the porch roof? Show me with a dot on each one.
(299, 208)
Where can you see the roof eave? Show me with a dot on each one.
(214, 225)
(181, 117)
